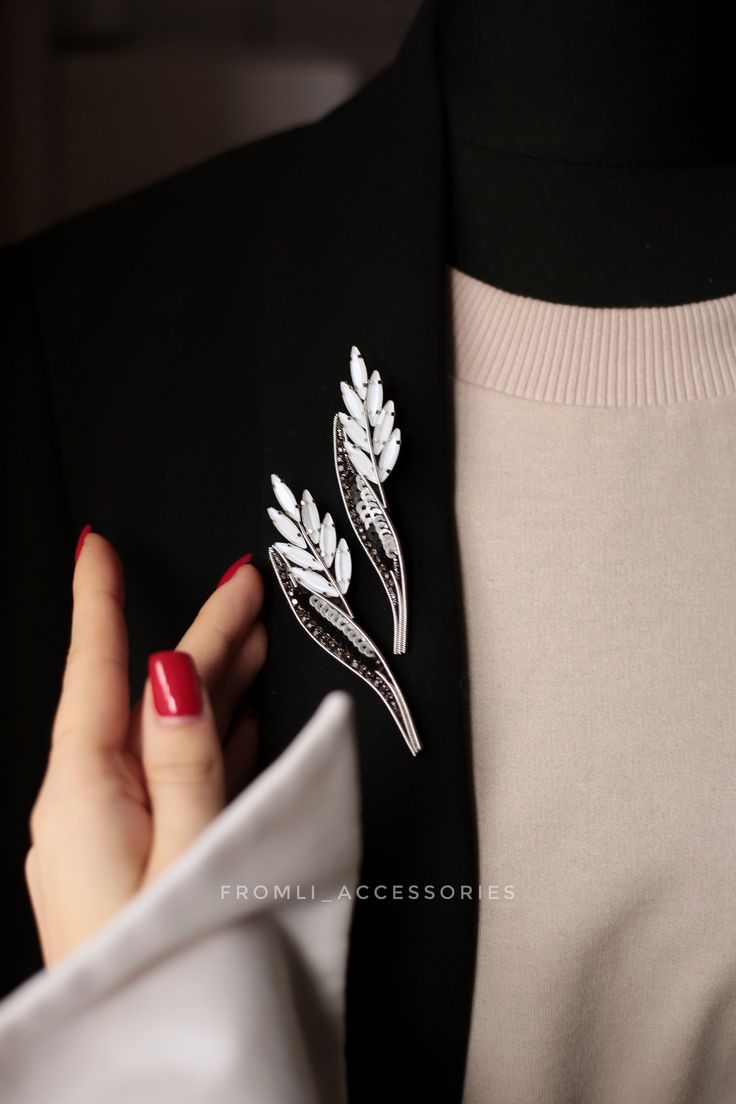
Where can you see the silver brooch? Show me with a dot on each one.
(366, 448)
(314, 569)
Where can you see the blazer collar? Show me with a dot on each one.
(358, 258)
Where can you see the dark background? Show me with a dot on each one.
(99, 97)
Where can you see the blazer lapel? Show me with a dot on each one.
(357, 258)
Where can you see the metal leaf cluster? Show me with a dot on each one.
(320, 562)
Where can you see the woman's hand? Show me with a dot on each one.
(126, 791)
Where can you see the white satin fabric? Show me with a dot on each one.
(198, 993)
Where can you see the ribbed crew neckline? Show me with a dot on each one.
(591, 356)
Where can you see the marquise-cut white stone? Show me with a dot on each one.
(360, 462)
(310, 515)
(285, 497)
(327, 540)
(374, 398)
(384, 426)
(300, 556)
(314, 582)
(286, 527)
(357, 434)
(343, 565)
(389, 454)
(353, 403)
(358, 372)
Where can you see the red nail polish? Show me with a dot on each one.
(234, 567)
(80, 541)
(175, 684)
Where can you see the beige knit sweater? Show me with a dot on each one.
(596, 508)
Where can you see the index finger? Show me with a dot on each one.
(94, 707)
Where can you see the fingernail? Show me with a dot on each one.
(175, 684)
(234, 567)
(80, 541)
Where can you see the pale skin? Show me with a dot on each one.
(125, 791)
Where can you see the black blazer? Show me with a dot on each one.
(168, 352)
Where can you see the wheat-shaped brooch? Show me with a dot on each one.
(314, 569)
(366, 447)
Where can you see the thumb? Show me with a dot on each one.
(181, 756)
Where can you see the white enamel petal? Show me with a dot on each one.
(360, 462)
(353, 403)
(286, 527)
(298, 556)
(343, 565)
(389, 454)
(327, 540)
(357, 434)
(384, 426)
(314, 582)
(374, 397)
(285, 497)
(310, 515)
(358, 372)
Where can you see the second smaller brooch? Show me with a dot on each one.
(366, 446)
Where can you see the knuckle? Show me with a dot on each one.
(65, 731)
(258, 644)
(78, 655)
(66, 734)
(200, 765)
(36, 819)
(96, 594)
(29, 868)
(227, 638)
(255, 581)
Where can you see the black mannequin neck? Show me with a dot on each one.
(592, 148)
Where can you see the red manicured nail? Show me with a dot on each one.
(80, 541)
(234, 567)
(175, 684)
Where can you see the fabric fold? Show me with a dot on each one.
(224, 979)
